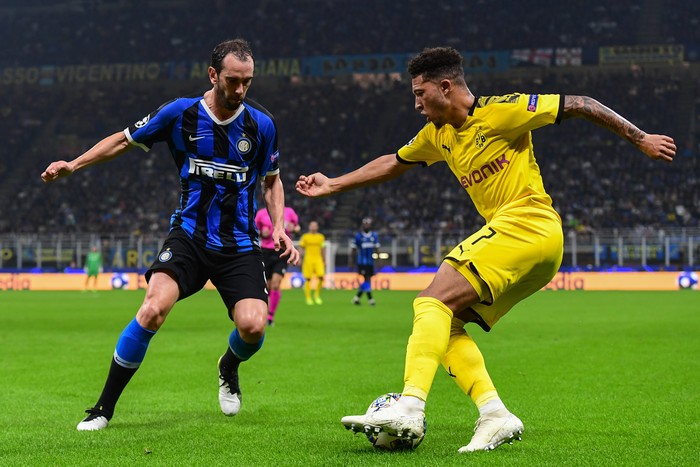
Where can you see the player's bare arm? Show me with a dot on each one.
(107, 149)
(655, 146)
(273, 195)
(379, 170)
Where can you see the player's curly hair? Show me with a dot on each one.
(437, 63)
(238, 47)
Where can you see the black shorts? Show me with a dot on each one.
(273, 262)
(235, 275)
(366, 270)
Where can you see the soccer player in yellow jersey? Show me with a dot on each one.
(312, 243)
(487, 143)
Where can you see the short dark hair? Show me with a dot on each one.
(437, 63)
(238, 47)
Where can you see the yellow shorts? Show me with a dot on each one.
(313, 267)
(509, 259)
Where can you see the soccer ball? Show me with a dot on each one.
(688, 280)
(120, 281)
(296, 280)
(385, 441)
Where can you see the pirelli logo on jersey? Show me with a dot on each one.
(218, 171)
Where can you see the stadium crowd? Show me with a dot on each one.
(157, 30)
(595, 179)
(336, 124)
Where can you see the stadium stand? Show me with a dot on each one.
(86, 31)
(336, 124)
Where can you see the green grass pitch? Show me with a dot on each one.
(598, 378)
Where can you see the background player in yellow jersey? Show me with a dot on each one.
(487, 143)
(313, 243)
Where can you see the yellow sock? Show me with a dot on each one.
(307, 290)
(426, 346)
(319, 286)
(464, 362)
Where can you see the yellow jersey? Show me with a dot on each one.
(312, 243)
(491, 154)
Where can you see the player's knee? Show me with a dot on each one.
(151, 315)
(250, 316)
(275, 282)
(251, 330)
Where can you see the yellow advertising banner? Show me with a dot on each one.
(59, 281)
(382, 281)
(562, 281)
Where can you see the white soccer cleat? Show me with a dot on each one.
(355, 300)
(388, 420)
(229, 393)
(494, 429)
(94, 421)
(230, 403)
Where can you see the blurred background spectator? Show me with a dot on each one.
(334, 124)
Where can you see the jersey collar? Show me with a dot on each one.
(216, 120)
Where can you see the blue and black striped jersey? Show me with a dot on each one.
(220, 164)
(365, 243)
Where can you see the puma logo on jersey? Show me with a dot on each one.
(447, 147)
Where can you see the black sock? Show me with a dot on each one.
(359, 294)
(117, 379)
(229, 362)
(369, 295)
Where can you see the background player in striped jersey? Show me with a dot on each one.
(275, 265)
(312, 245)
(487, 143)
(223, 146)
(364, 246)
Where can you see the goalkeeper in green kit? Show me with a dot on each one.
(93, 267)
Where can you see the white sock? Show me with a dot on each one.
(494, 405)
(410, 405)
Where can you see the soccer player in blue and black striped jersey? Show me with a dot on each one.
(365, 245)
(223, 146)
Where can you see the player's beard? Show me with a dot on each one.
(437, 111)
(436, 119)
(437, 123)
(227, 102)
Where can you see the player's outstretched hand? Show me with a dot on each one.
(313, 185)
(282, 240)
(658, 147)
(56, 170)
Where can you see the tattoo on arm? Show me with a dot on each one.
(594, 111)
